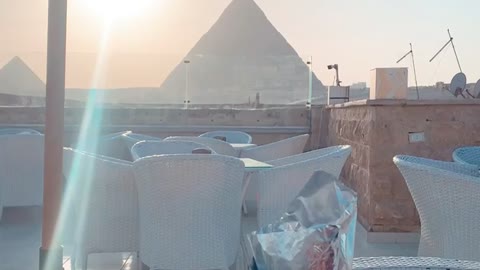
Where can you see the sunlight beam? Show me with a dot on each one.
(82, 172)
(118, 9)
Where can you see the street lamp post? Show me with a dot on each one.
(187, 99)
(51, 251)
(310, 82)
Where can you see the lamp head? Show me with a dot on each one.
(335, 66)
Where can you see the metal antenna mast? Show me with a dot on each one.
(450, 41)
(414, 69)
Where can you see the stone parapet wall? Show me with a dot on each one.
(266, 125)
(379, 130)
(353, 127)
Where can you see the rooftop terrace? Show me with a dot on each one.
(20, 234)
(377, 130)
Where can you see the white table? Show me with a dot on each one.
(242, 146)
(255, 165)
(239, 147)
(251, 165)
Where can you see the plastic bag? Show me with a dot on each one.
(316, 233)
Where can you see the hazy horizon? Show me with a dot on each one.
(143, 48)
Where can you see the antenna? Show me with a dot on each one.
(468, 92)
(458, 84)
(414, 69)
(476, 90)
(450, 41)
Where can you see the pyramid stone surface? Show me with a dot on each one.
(241, 55)
(18, 79)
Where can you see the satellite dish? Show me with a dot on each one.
(458, 84)
(476, 90)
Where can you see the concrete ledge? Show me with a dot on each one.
(171, 128)
(404, 102)
(389, 238)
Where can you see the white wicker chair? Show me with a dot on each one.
(21, 170)
(231, 136)
(280, 149)
(278, 186)
(105, 201)
(412, 263)
(110, 145)
(189, 210)
(118, 145)
(115, 135)
(152, 148)
(131, 139)
(446, 195)
(467, 155)
(220, 147)
(13, 131)
(115, 148)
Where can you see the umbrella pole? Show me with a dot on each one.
(51, 252)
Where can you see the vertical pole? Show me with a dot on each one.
(338, 79)
(310, 93)
(186, 83)
(454, 50)
(414, 71)
(310, 82)
(51, 252)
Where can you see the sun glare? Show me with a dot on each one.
(113, 9)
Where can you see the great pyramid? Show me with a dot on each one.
(241, 55)
(17, 78)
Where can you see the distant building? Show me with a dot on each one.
(358, 85)
(440, 85)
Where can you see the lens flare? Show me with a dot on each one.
(118, 8)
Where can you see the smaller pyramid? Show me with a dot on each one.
(17, 78)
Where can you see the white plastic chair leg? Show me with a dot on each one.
(84, 258)
(72, 262)
(244, 208)
(246, 182)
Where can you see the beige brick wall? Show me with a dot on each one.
(377, 131)
(353, 127)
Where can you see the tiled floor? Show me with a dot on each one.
(20, 238)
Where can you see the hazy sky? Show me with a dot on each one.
(356, 34)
